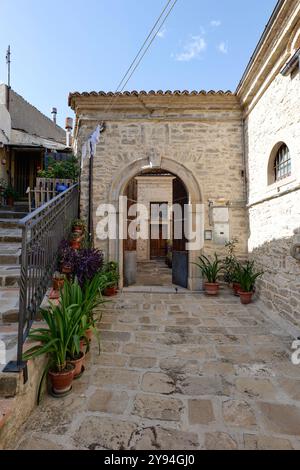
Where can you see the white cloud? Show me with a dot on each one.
(215, 23)
(192, 49)
(162, 33)
(223, 48)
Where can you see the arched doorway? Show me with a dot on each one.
(119, 186)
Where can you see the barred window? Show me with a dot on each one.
(282, 163)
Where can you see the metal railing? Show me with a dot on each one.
(42, 232)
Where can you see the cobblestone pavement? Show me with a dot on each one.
(178, 372)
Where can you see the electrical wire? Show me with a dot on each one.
(137, 60)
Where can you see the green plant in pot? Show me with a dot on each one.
(247, 277)
(79, 226)
(75, 241)
(10, 195)
(62, 322)
(58, 281)
(111, 271)
(230, 263)
(210, 270)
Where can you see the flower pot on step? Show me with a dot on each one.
(58, 284)
(246, 297)
(211, 288)
(89, 334)
(110, 291)
(62, 381)
(236, 288)
(75, 244)
(78, 365)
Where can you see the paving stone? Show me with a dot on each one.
(257, 442)
(238, 414)
(256, 388)
(114, 360)
(115, 336)
(38, 443)
(157, 438)
(203, 386)
(142, 362)
(281, 418)
(200, 412)
(176, 365)
(290, 387)
(120, 378)
(218, 368)
(108, 402)
(220, 441)
(158, 407)
(107, 433)
(158, 383)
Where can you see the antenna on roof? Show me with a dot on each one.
(8, 62)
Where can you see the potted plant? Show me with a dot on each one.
(62, 324)
(230, 263)
(247, 277)
(10, 195)
(58, 281)
(67, 258)
(112, 278)
(75, 241)
(79, 226)
(210, 271)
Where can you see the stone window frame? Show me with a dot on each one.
(280, 164)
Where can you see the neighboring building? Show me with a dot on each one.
(270, 97)
(237, 153)
(26, 137)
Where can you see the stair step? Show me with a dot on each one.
(9, 223)
(9, 275)
(6, 408)
(10, 235)
(12, 215)
(10, 253)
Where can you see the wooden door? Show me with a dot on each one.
(158, 245)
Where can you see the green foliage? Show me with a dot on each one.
(230, 261)
(111, 272)
(210, 269)
(68, 169)
(246, 276)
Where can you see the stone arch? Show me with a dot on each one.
(119, 183)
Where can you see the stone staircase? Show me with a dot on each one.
(10, 252)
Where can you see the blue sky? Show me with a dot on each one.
(83, 45)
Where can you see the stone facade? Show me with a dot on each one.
(271, 116)
(196, 137)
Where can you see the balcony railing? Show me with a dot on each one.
(42, 232)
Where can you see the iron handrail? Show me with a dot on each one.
(42, 232)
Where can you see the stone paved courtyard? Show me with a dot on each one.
(178, 372)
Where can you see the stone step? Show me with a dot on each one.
(10, 253)
(8, 223)
(12, 215)
(10, 235)
(9, 306)
(9, 275)
(6, 409)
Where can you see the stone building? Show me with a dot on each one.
(236, 154)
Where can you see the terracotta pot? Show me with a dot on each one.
(211, 288)
(58, 284)
(236, 288)
(89, 334)
(246, 297)
(66, 269)
(83, 346)
(110, 291)
(62, 381)
(78, 230)
(75, 244)
(10, 201)
(78, 364)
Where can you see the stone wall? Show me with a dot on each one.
(274, 209)
(202, 134)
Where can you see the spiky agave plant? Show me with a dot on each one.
(210, 269)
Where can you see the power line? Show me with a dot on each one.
(163, 16)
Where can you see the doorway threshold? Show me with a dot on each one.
(156, 289)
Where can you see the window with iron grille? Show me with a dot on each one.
(282, 163)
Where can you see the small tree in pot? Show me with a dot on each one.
(210, 271)
(247, 277)
(111, 271)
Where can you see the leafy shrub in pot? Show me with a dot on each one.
(247, 276)
(210, 270)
